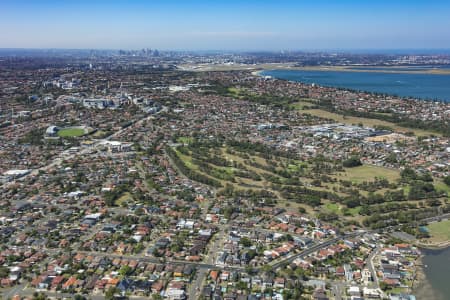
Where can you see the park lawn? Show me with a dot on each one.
(368, 173)
(301, 105)
(354, 211)
(184, 140)
(241, 160)
(99, 133)
(236, 93)
(225, 174)
(71, 132)
(260, 160)
(406, 189)
(247, 183)
(124, 198)
(365, 121)
(187, 160)
(341, 209)
(292, 167)
(397, 290)
(333, 207)
(227, 170)
(297, 166)
(233, 90)
(440, 231)
(293, 206)
(441, 186)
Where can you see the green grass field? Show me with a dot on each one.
(126, 197)
(441, 186)
(71, 132)
(187, 160)
(98, 133)
(368, 173)
(440, 231)
(267, 175)
(185, 140)
(303, 104)
(234, 90)
(341, 209)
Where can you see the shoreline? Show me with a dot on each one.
(419, 273)
(291, 66)
(376, 69)
(433, 246)
(421, 286)
(260, 73)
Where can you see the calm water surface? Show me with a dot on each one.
(423, 86)
(437, 271)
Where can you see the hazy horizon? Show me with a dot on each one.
(201, 25)
(306, 50)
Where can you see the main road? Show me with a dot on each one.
(209, 264)
(371, 267)
(312, 249)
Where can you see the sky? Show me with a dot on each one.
(225, 25)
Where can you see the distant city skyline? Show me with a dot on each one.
(225, 25)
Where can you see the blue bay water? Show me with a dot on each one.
(422, 86)
(437, 271)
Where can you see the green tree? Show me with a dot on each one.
(447, 180)
(125, 271)
(383, 286)
(109, 295)
(4, 272)
(351, 162)
(246, 242)
(39, 296)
